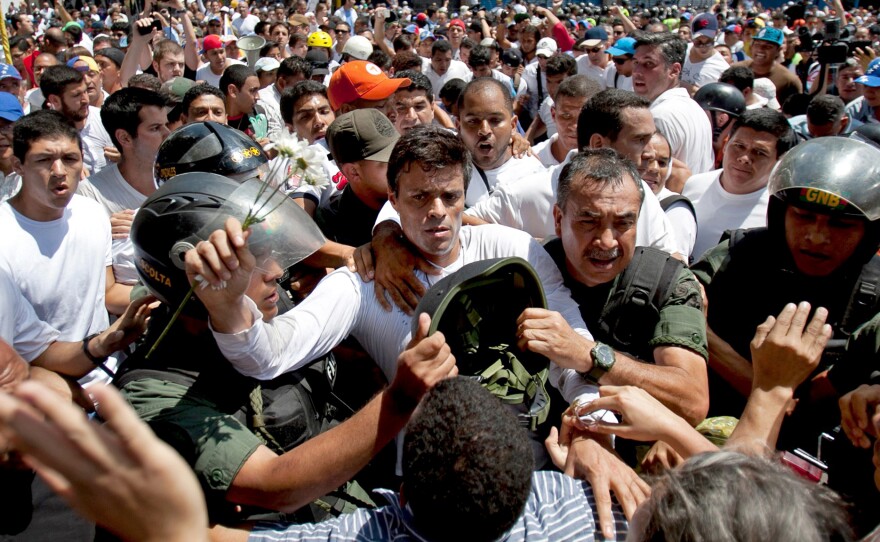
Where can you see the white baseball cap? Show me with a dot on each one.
(546, 47)
(358, 47)
(266, 64)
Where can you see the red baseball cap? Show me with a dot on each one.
(211, 41)
(359, 79)
(457, 22)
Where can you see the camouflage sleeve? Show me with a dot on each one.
(859, 364)
(710, 263)
(681, 320)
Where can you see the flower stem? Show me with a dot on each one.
(174, 316)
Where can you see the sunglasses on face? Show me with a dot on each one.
(702, 44)
(620, 61)
(594, 50)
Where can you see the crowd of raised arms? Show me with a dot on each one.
(334, 271)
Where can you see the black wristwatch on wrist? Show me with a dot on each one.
(603, 359)
(99, 362)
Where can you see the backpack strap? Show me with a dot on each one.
(641, 291)
(671, 200)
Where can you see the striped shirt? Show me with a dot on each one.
(559, 508)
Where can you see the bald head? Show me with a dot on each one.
(487, 85)
(54, 41)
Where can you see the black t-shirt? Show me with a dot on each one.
(346, 219)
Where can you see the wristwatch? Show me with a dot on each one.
(603, 359)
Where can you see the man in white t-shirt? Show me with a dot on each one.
(595, 63)
(702, 64)
(527, 203)
(656, 76)
(655, 170)
(487, 122)
(443, 68)
(215, 53)
(736, 196)
(56, 245)
(347, 13)
(65, 91)
(290, 72)
(570, 97)
(135, 119)
(619, 72)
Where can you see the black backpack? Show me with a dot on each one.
(641, 291)
(476, 309)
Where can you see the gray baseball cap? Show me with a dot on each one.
(363, 134)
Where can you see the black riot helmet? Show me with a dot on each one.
(721, 98)
(181, 213)
(210, 147)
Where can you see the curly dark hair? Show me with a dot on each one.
(466, 461)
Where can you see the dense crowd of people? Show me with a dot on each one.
(311, 271)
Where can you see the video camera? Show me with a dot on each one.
(833, 50)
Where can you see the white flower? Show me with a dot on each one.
(304, 161)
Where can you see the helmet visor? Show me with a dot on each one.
(281, 232)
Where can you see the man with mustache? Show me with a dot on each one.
(598, 201)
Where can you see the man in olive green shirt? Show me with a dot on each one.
(598, 201)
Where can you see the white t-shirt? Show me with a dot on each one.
(19, 325)
(110, 189)
(508, 83)
(59, 266)
(479, 187)
(718, 210)
(205, 74)
(594, 72)
(686, 126)
(94, 138)
(270, 99)
(544, 151)
(613, 80)
(527, 204)
(683, 221)
(34, 100)
(546, 114)
(457, 70)
(530, 76)
(705, 72)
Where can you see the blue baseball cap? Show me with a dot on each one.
(872, 75)
(623, 46)
(8, 70)
(773, 35)
(10, 108)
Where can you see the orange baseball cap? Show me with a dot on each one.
(359, 79)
